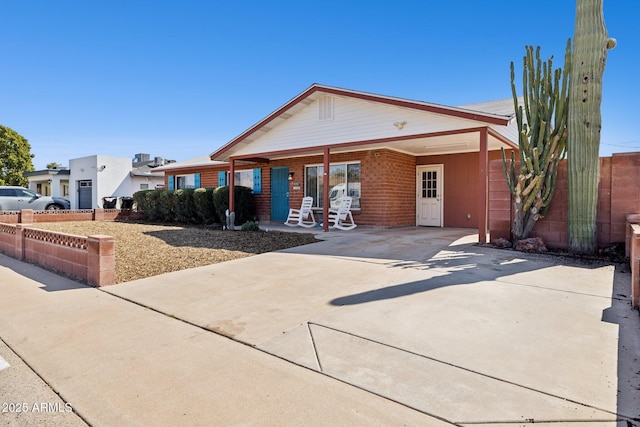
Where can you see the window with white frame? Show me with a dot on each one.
(344, 180)
(243, 178)
(185, 181)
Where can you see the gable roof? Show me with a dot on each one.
(495, 113)
(195, 162)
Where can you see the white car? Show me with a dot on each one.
(15, 198)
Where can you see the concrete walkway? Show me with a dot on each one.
(449, 332)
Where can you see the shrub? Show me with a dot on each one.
(205, 210)
(185, 207)
(245, 206)
(250, 226)
(142, 200)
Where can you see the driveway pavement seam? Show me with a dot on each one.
(41, 378)
(281, 358)
(472, 371)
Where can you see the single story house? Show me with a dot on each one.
(404, 162)
(52, 182)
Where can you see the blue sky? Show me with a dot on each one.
(178, 79)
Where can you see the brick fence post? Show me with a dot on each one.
(631, 219)
(101, 260)
(19, 242)
(635, 266)
(98, 214)
(26, 216)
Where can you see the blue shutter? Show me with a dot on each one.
(196, 180)
(257, 181)
(222, 178)
(170, 182)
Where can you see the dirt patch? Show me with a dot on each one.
(612, 254)
(144, 250)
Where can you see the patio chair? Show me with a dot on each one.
(302, 217)
(341, 217)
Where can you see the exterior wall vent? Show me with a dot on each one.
(325, 108)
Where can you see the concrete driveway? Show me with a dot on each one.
(408, 326)
(423, 317)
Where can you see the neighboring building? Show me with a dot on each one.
(90, 179)
(404, 162)
(50, 182)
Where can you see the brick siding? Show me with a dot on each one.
(618, 196)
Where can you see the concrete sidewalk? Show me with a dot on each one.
(462, 334)
(117, 363)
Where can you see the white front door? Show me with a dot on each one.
(429, 195)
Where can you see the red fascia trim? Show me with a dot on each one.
(496, 135)
(264, 121)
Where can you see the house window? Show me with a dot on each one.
(185, 181)
(65, 190)
(144, 186)
(243, 178)
(344, 180)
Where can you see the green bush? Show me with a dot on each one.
(205, 210)
(245, 205)
(250, 226)
(142, 201)
(185, 207)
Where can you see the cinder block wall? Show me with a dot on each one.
(58, 252)
(619, 195)
(89, 259)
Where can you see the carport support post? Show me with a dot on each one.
(325, 193)
(483, 156)
(232, 170)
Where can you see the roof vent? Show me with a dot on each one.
(325, 108)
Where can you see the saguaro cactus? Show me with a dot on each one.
(590, 46)
(542, 125)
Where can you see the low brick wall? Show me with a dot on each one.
(634, 259)
(29, 216)
(88, 259)
(632, 250)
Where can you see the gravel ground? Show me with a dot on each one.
(144, 250)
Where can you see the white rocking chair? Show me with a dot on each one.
(302, 217)
(341, 218)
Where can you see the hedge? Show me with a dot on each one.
(195, 206)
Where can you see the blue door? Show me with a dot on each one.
(279, 194)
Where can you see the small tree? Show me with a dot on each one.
(15, 157)
(542, 126)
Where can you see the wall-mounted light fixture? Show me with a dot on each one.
(400, 125)
(290, 176)
(103, 167)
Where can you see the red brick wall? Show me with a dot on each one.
(387, 186)
(208, 175)
(461, 186)
(500, 204)
(625, 191)
(619, 195)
